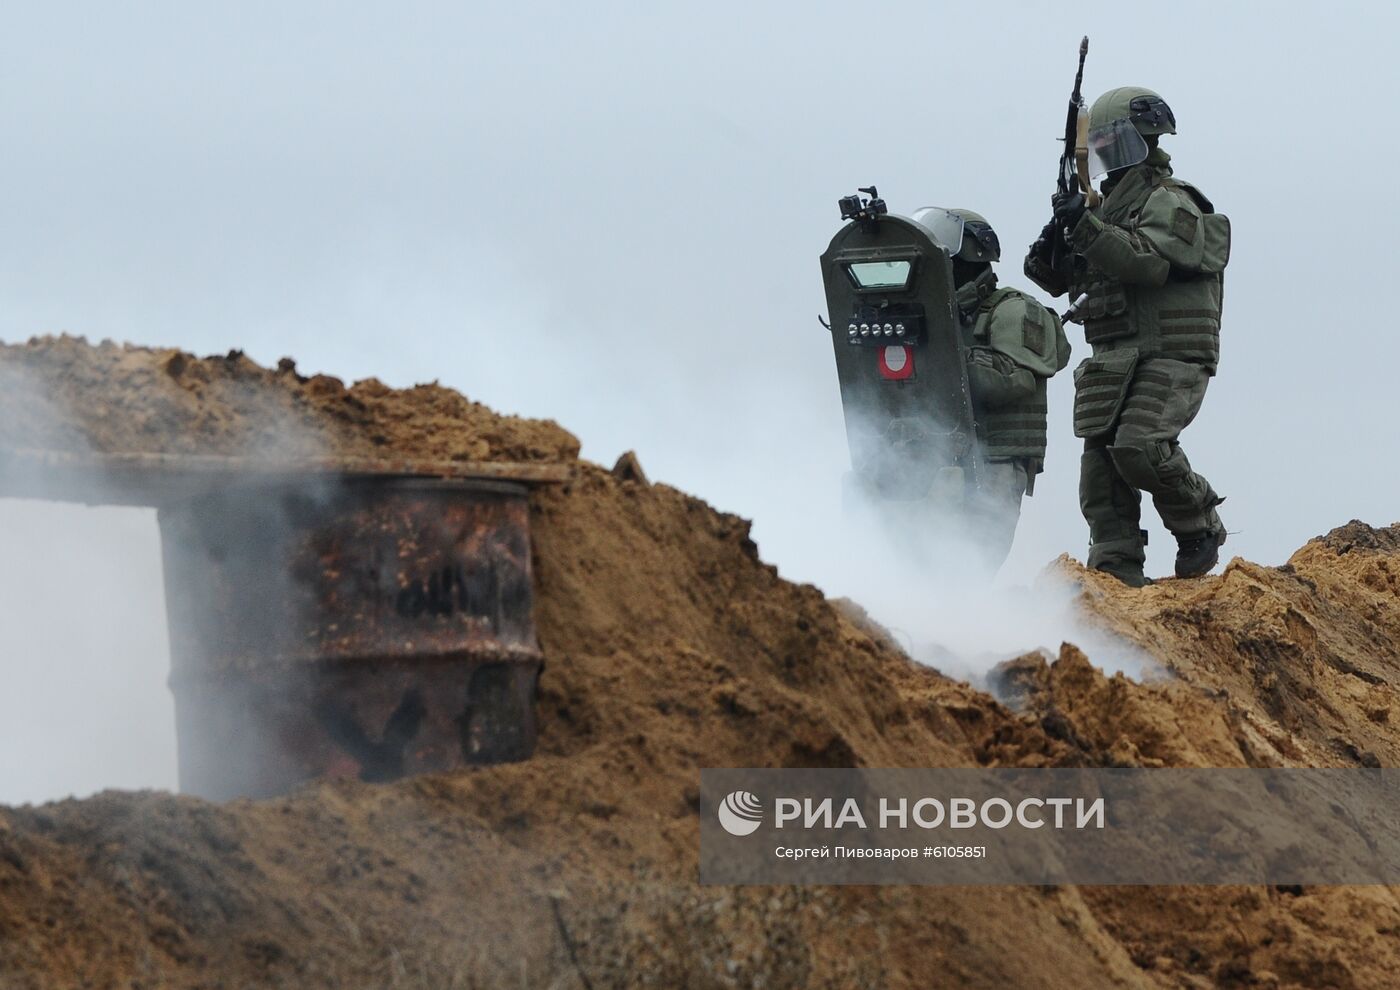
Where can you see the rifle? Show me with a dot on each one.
(1074, 170)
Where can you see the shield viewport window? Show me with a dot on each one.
(880, 274)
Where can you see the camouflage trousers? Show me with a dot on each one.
(1140, 453)
(995, 509)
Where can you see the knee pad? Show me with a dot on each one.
(1140, 466)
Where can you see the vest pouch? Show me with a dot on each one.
(1100, 388)
(1105, 312)
(1107, 297)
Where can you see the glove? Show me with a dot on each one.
(1068, 209)
(1043, 247)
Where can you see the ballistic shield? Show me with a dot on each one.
(900, 359)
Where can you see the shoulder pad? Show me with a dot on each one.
(1198, 197)
(1026, 332)
(997, 297)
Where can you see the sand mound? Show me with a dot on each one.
(59, 393)
(671, 646)
(1306, 655)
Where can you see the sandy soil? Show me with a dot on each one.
(59, 393)
(671, 646)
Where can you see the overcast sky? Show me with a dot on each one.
(611, 215)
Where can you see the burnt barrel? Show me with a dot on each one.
(361, 627)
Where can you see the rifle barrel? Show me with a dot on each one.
(1079, 76)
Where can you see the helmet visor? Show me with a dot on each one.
(1115, 145)
(945, 226)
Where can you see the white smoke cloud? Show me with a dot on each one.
(83, 652)
(932, 588)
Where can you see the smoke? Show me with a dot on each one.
(929, 569)
(948, 609)
(85, 644)
(297, 600)
(83, 652)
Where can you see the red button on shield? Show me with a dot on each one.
(897, 362)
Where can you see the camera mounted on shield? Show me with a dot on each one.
(865, 210)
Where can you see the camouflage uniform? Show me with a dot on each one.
(1149, 258)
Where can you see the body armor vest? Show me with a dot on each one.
(1179, 319)
(1015, 429)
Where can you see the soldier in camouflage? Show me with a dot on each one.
(1148, 260)
(1014, 345)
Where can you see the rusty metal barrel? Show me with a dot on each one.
(359, 627)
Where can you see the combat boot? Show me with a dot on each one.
(1128, 574)
(1197, 553)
